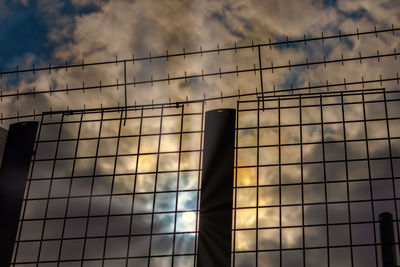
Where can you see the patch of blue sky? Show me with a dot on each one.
(234, 32)
(359, 14)
(293, 79)
(330, 2)
(24, 30)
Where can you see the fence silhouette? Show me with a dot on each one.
(315, 162)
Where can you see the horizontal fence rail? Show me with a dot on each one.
(253, 46)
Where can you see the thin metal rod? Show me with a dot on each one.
(261, 73)
(203, 75)
(201, 52)
(126, 94)
(165, 104)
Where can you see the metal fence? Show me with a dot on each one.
(316, 153)
(105, 187)
(312, 174)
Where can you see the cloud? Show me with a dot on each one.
(120, 28)
(386, 11)
(123, 28)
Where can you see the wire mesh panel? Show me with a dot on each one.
(115, 180)
(313, 174)
(110, 190)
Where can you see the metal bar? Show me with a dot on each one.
(198, 182)
(392, 162)
(27, 191)
(202, 75)
(261, 75)
(215, 232)
(155, 186)
(235, 186)
(92, 182)
(280, 180)
(13, 174)
(347, 178)
(156, 105)
(370, 179)
(387, 240)
(302, 178)
(177, 184)
(78, 136)
(266, 98)
(135, 175)
(54, 159)
(325, 181)
(252, 46)
(126, 94)
(257, 174)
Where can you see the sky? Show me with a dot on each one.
(46, 29)
(54, 32)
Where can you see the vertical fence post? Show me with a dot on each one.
(387, 240)
(13, 174)
(215, 225)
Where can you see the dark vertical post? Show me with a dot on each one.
(215, 225)
(387, 240)
(13, 173)
(3, 139)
